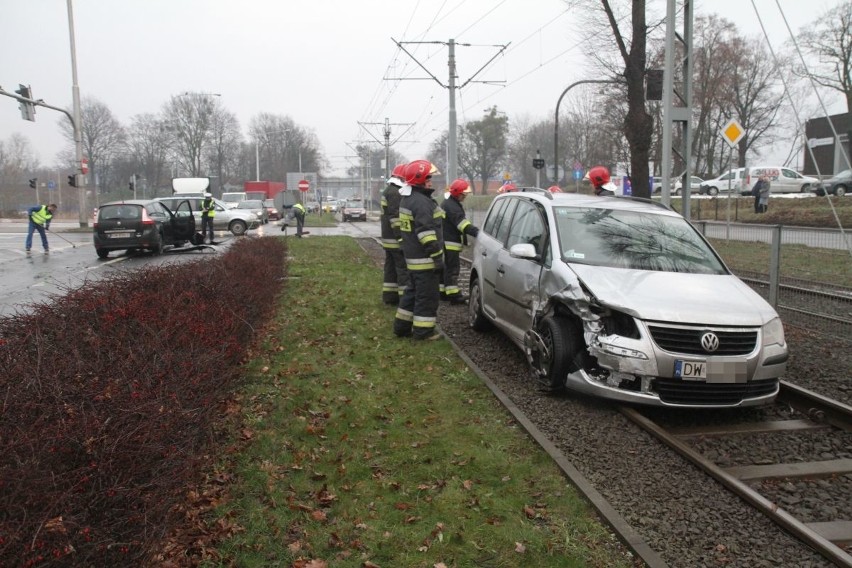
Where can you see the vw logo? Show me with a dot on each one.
(710, 342)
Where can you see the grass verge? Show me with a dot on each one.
(372, 451)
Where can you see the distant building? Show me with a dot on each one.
(828, 154)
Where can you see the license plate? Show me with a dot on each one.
(690, 369)
(121, 235)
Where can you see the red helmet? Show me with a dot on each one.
(599, 176)
(507, 187)
(554, 189)
(398, 171)
(417, 171)
(459, 187)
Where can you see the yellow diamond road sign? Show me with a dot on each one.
(733, 132)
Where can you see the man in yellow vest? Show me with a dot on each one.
(40, 217)
(208, 211)
(299, 213)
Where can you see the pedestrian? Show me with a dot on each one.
(298, 211)
(457, 227)
(395, 273)
(421, 227)
(208, 211)
(763, 197)
(601, 181)
(40, 217)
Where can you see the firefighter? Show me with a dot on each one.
(554, 189)
(208, 211)
(396, 274)
(507, 188)
(601, 182)
(456, 229)
(421, 227)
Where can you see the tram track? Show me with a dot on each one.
(821, 417)
(796, 413)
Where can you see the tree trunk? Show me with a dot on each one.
(638, 123)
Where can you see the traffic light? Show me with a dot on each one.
(33, 183)
(130, 185)
(72, 180)
(27, 109)
(654, 85)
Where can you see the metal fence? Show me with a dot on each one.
(804, 273)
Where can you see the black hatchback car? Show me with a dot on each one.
(142, 224)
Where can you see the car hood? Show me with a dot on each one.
(676, 297)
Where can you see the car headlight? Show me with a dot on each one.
(773, 333)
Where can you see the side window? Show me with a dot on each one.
(491, 221)
(789, 173)
(527, 227)
(156, 211)
(504, 220)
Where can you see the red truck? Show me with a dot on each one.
(262, 189)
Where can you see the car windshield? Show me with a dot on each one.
(635, 240)
(844, 174)
(353, 205)
(250, 205)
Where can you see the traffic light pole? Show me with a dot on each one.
(77, 121)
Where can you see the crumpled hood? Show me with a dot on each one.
(676, 297)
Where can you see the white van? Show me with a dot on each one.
(782, 180)
(231, 199)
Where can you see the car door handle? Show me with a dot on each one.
(501, 270)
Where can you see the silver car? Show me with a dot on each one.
(236, 221)
(622, 298)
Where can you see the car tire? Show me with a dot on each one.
(840, 191)
(102, 253)
(713, 191)
(558, 346)
(158, 245)
(475, 316)
(805, 188)
(238, 228)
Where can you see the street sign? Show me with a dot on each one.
(560, 173)
(51, 184)
(84, 166)
(578, 174)
(733, 132)
(538, 163)
(304, 185)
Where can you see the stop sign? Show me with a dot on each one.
(84, 166)
(304, 185)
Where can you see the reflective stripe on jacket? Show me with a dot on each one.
(208, 208)
(41, 216)
(422, 227)
(456, 224)
(390, 217)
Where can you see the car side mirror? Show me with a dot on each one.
(523, 250)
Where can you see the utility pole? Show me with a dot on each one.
(681, 113)
(452, 149)
(386, 132)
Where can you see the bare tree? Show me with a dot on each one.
(224, 147)
(482, 146)
(17, 159)
(829, 40)
(104, 139)
(754, 97)
(148, 149)
(189, 122)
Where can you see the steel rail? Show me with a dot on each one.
(771, 510)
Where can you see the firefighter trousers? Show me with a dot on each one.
(417, 314)
(452, 268)
(395, 277)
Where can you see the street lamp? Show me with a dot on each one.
(556, 122)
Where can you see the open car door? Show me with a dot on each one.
(183, 223)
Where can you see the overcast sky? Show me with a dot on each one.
(328, 64)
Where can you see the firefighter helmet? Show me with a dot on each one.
(418, 171)
(398, 171)
(507, 187)
(554, 189)
(459, 187)
(599, 176)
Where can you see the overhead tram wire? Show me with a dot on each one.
(793, 105)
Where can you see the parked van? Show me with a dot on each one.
(231, 199)
(783, 180)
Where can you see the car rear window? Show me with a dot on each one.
(120, 212)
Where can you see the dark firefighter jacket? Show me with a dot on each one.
(390, 217)
(456, 224)
(421, 224)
